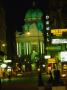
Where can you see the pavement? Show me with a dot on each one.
(27, 82)
(19, 86)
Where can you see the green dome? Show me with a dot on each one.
(33, 14)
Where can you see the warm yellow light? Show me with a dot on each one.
(28, 33)
(3, 45)
(63, 75)
(43, 65)
(38, 69)
(58, 32)
(3, 65)
(51, 60)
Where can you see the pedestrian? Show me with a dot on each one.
(9, 77)
(50, 82)
(40, 80)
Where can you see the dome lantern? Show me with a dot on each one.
(33, 15)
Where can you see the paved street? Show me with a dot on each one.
(27, 82)
(19, 86)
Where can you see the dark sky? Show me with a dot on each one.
(16, 9)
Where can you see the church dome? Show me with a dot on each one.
(33, 14)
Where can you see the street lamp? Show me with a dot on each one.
(3, 45)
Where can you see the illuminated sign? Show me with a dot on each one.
(47, 56)
(63, 56)
(59, 41)
(7, 61)
(53, 48)
(51, 60)
(3, 65)
(58, 32)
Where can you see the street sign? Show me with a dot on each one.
(57, 48)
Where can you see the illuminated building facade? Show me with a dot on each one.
(30, 43)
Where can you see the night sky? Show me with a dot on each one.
(16, 9)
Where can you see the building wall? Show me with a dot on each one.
(2, 29)
(2, 25)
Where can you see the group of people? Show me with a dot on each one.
(55, 79)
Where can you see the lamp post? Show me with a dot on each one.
(4, 47)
